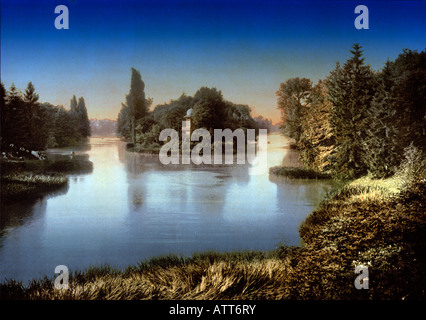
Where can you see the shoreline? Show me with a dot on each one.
(379, 224)
(33, 179)
(374, 228)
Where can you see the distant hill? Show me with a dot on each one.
(103, 128)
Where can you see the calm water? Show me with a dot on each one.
(132, 207)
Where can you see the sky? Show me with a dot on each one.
(243, 48)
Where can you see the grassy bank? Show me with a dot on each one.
(297, 173)
(24, 185)
(29, 179)
(378, 223)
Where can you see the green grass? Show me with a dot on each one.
(297, 173)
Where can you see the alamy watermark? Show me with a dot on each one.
(361, 21)
(61, 281)
(362, 280)
(62, 21)
(201, 153)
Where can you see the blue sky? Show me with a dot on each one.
(243, 48)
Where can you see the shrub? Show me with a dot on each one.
(413, 165)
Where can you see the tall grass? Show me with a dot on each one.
(209, 275)
(23, 185)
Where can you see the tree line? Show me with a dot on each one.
(358, 121)
(30, 124)
(136, 123)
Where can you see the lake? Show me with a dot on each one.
(132, 207)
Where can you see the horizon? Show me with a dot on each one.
(245, 49)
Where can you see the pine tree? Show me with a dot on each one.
(409, 70)
(73, 104)
(36, 121)
(73, 117)
(350, 90)
(382, 148)
(3, 114)
(83, 119)
(66, 133)
(136, 101)
(17, 130)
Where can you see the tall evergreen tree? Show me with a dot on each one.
(382, 146)
(83, 118)
(73, 104)
(350, 89)
(136, 101)
(409, 71)
(66, 133)
(17, 129)
(3, 113)
(35, 119)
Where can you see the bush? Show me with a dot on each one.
(413, 165)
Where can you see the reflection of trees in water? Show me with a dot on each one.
(305, 190)
(139, 166)
(297, 198)
(17, 213)
(80, 147)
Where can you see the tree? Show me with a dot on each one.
(409, 72)
(264, 123)
(316, 144)
(136, 101)
(16, 129)
(73, 104)
(3, 113)
(83, 118)
(292, 96)
(350, 90)
(79, 117)
(35, 119)
(30, 96)
(66, 133)
(382, 146)
(123, 122)
(171, 115)
(209, 109)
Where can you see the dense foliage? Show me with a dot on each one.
(26, 123)
(209, 110)
(357, 120)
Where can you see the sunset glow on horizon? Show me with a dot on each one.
(243, 48)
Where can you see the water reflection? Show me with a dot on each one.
(133, 207)
(18, 213)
